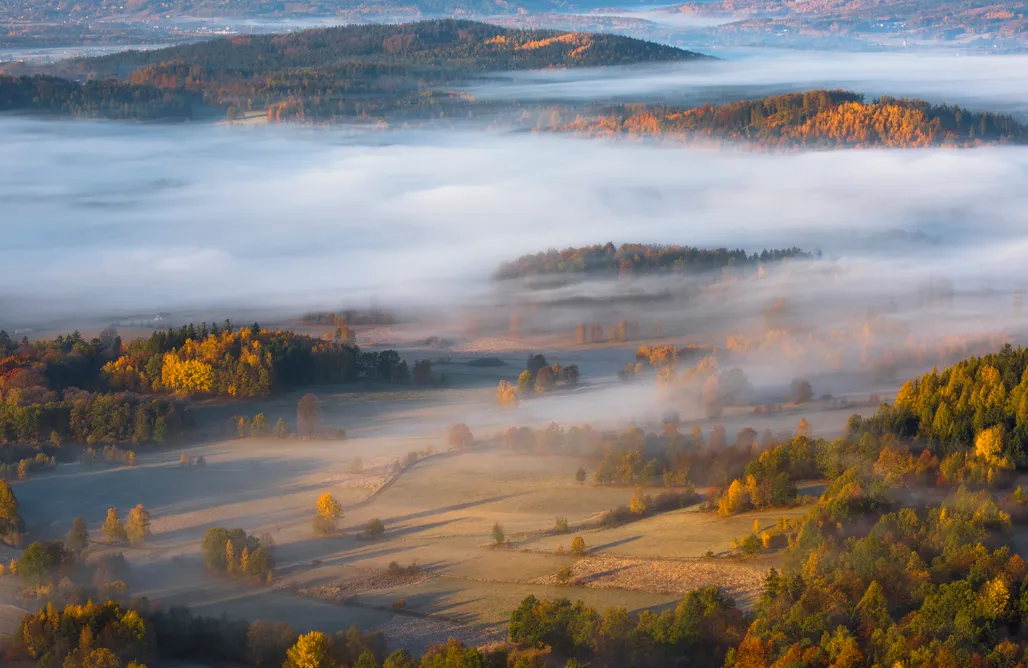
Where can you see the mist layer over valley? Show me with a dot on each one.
(150, 217)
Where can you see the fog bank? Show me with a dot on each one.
(104, 217)
(980, 82)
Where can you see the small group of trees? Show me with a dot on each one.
(27, 465)
(704, 625)
(259, 427)
(235, 553)
(189, 462)
(110, 454)
(135, 530)
(539, 377)
(92, 635)
(622, 331)
(114, 635)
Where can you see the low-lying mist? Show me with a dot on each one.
(104, 219)
(980, 82)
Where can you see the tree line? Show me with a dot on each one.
(639, 259)
(102, 391)
(814, 118)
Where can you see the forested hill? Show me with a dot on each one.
(447, 43)
(812, 119)
(368, 71)
(638, 259)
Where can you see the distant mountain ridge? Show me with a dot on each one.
(448, 43)
(62, 10)
(361, 71)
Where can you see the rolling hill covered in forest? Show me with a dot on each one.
(818, 118)
(324, 74)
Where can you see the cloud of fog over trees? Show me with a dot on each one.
(106, 218)
(986, 83)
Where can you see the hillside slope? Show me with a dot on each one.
(365, 71)
(812, 119)
(446, 43)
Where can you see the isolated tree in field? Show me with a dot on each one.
(312, 650)
(498, 534)
(460, 437)
(580, 474)
(77, 539)
(10, 520)
(259, 426)
(802, 391)
(137, 525)
(560, 525)
(356, 465)
(374, 528)
(242, 428)
(578, 545)
(639, 503)
(308, 411)
(281, 428)
(113, 529)
(327, 512)
(803, 429)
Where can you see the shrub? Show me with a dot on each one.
(751, 544)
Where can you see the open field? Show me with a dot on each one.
(437, 514)
(679, 534)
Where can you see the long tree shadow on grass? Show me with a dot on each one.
(452, 508)
(51, 502)
(614, 543)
